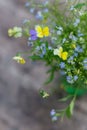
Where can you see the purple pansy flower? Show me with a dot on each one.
(33, 34)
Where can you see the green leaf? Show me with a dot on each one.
(72, 107)
(69, 110)
(68, 114)
(58, 114)
(80, 5)
(65, 98)
(34, 57)
(51, 77)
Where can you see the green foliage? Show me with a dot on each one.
(69, 109)
(51, 77)
(79, 5)
(65, 98)
(34, 57)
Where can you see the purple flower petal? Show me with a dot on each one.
(33, 37)
(33, 34)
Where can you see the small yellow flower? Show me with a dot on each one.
(15, 31)
(41, 32)
(64, 55)
(60, 53)
(10, 32)
(19, 59)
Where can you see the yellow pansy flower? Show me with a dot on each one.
(60, 53)
(41, 32)
(15, 31)
(19, 59)
(64, 55)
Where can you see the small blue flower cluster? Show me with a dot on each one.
(71, 79)
(42, 49)
(34, 10)
(85, 63)
(53, 115)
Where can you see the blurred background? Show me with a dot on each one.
(21, 107)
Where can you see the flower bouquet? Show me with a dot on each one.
(58, 38)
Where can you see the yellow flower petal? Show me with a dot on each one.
(60, 53)
(64, 55)
(19, 59)
(10, 32)
(60, 50)
(22, 61)
(16, 32)
(39, 31)
(46, 31)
